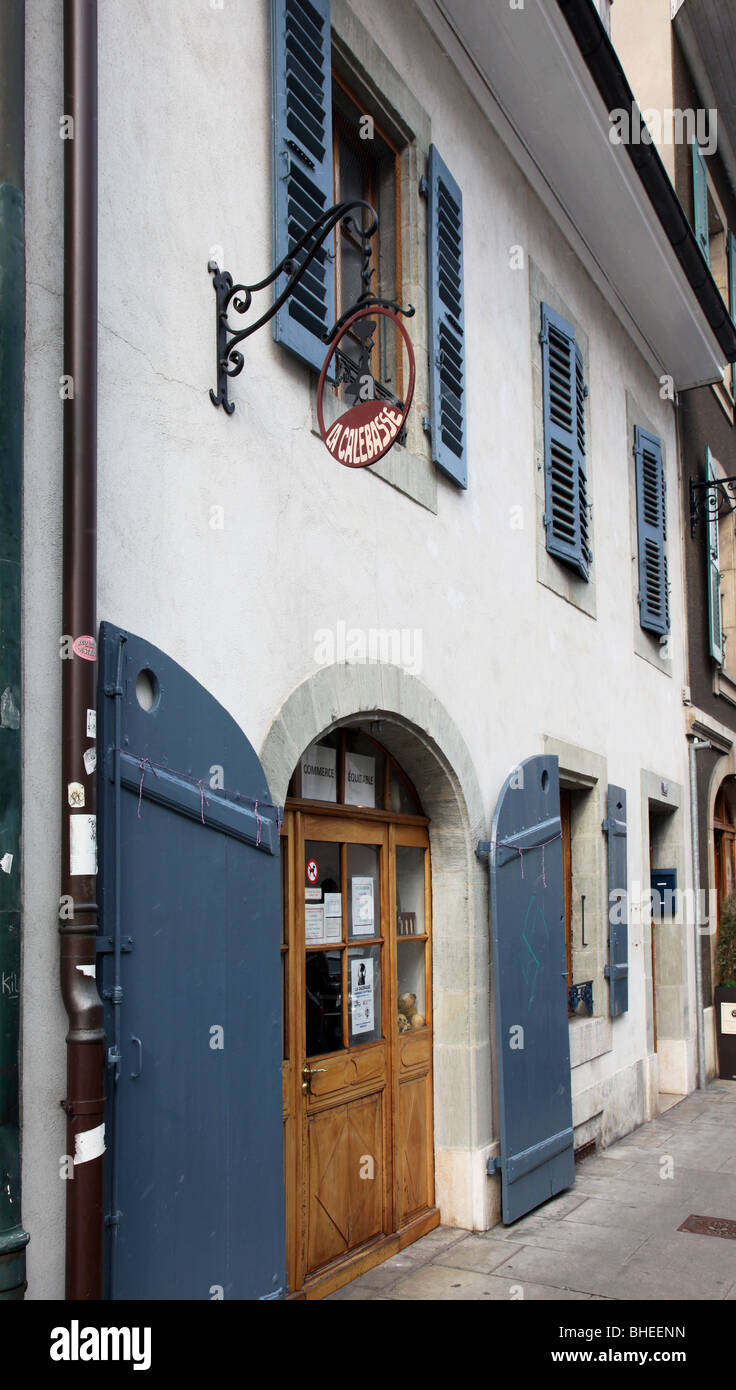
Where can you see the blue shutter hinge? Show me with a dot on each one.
(114, 1056)
(269, 1297)
(112, 1218)
(604, 827)
(104, 945)
(483, 849)
(493, 1165)
(543, 335)
(426, 424)
(585, 392)
(423, 187)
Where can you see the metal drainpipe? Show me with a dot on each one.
(13, 1239)
(694, 747)
(85, 1102)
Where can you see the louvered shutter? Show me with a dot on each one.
(617, 970)
(301, 101)
(715, 625)
(700, 200)
(566, 496)
(446, 322)
(652, 532)
(731, 250)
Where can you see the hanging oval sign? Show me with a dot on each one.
(369, 428)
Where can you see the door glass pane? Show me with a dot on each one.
(324, 1002)
(322, 900)
(410, 891)
(411, 982)
(364, 895)
(364, 995)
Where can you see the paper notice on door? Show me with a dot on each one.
(361, 996)
(313, 895)
(333, 916)
(314, 923)
(319, 773)
(363, 906)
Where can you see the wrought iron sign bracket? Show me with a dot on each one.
(238, 297)
(712, 499)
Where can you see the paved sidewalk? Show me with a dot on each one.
(613, 1236)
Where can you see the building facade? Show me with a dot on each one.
(501, 598)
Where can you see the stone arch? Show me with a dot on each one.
(418, 731)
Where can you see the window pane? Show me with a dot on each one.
(364, 995)
(322, 893)
(412, 988)
(324, 1002)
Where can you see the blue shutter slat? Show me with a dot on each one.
(446, 322)
(715, 625)
(563, 393)
(700, 200)
(617, 970)
(651, 531)
(301, 105)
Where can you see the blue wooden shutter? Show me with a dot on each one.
(715, 624)
(301, 103)
(652, 532)
(446, 322)
(731, 251)
(617, 969)
(566, 498)
(700, 200)
(530, 989)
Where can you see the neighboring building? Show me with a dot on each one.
(680, 60)
(482, 638)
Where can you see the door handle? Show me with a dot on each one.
(307, 1074)
(135, 1074)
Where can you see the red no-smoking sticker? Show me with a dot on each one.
(312, 871)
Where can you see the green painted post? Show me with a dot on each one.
(13, 1239)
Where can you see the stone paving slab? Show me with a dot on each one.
(612, 1236)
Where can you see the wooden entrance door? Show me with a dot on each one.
(357, 1090)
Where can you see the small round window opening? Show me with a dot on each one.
(147, 690)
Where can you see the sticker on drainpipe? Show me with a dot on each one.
(6, 863)
(82, 845)
(86, 647)
(75, 793)
(90, 970)
(90, 1144)
(90, 760)
(91, 723)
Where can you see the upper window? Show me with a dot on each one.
(352, 768)
(716, 242)
(566, 518)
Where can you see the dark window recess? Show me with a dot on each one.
(448, 419)
(566, 517)
(651, 514)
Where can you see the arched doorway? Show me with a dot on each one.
(357, 969)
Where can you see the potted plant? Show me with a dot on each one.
(725, 993)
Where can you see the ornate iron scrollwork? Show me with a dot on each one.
(239, 297)
(715, 498)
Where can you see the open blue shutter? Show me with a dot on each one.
(446, 322)
(530, 989)
(715, 624)
(700, 200)
(651, 528)
(563, 391)
(731, 251)
(617, 969)
(301, 101)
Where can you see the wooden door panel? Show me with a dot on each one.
(414, 1192)
(342, 1072)
(416, 1049)
(345, 1201)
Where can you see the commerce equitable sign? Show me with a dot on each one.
(370, 428)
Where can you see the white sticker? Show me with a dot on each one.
(82, 845)
(6, 863)
(728, 1018)
(90, 1144)
(313, 895)
(333, 916)
(75, 793)
(91, 723)
(90, 760)
(90, 970)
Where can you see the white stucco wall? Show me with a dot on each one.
(184, 167)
